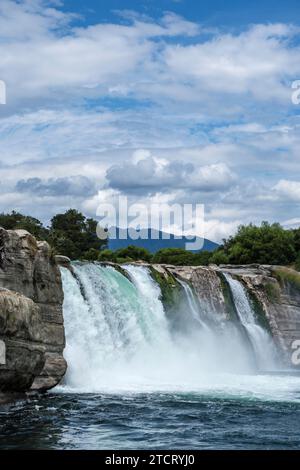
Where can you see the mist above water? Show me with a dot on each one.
(118, 337)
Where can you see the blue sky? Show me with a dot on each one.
(169, 101)
(218, 13)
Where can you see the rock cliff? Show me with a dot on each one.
(31, 321)
(274, 292)
(32, 336)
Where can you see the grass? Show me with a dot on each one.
(259, 312)
(288, 276)
(171, 290)
(272, 291)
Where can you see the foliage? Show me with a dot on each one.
(126, 255)
(134, 253)
(70, 234)
(91, 254)
(106, 255)
(297, 262)
(171, 290)
(288, 276)
(296, 233)
(181, 257)
(74, 235)
(267, 244)
(15, 220)
(219, 257)
(258, 308)
(272, 291)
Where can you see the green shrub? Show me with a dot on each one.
(288, 276)
(297, 262)
(272, 291)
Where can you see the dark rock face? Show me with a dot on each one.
(31, 320)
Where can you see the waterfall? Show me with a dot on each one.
(118, 336)
(261, 341)
(113, 326)
(194, 308)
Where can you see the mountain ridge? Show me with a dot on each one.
(160, 240)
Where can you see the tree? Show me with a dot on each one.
(133, 253)
(91, 255)
(106, 255)
(175, 256)
(15, 220)
(182, 257)
(202, 258)
(265, 244)
(297, 262)
(74, 235)
(296, 233)
(219, 257)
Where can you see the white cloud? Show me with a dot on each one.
(255, 61)
(217, 176)
(183, 116)
(288, 190)
(152, 174)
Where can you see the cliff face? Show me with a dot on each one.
(278, 291)
(274, 292)
(31, 320)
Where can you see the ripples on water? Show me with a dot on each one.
(200, 420)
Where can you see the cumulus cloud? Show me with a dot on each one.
(63, 58)
(148, 107)
(289, 190)
(253, 61)
(156, 175)
(70, 185)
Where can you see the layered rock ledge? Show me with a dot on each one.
(31, 320)
(274, 290)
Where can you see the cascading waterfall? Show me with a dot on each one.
(192, 303)
(119, 338)
(261, 341)
(109, 323)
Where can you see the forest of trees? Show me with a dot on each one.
(70, 234)
(74, 235)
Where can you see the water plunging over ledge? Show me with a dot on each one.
(120, 338)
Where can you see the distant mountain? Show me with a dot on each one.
(157, 242)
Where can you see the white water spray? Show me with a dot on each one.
(260, 339)
(119, 338)
(193, 306)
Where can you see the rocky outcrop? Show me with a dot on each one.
(278, 291)
(22, 356)
(274, 293)
(31, 320)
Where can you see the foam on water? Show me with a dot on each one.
(119, 340)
